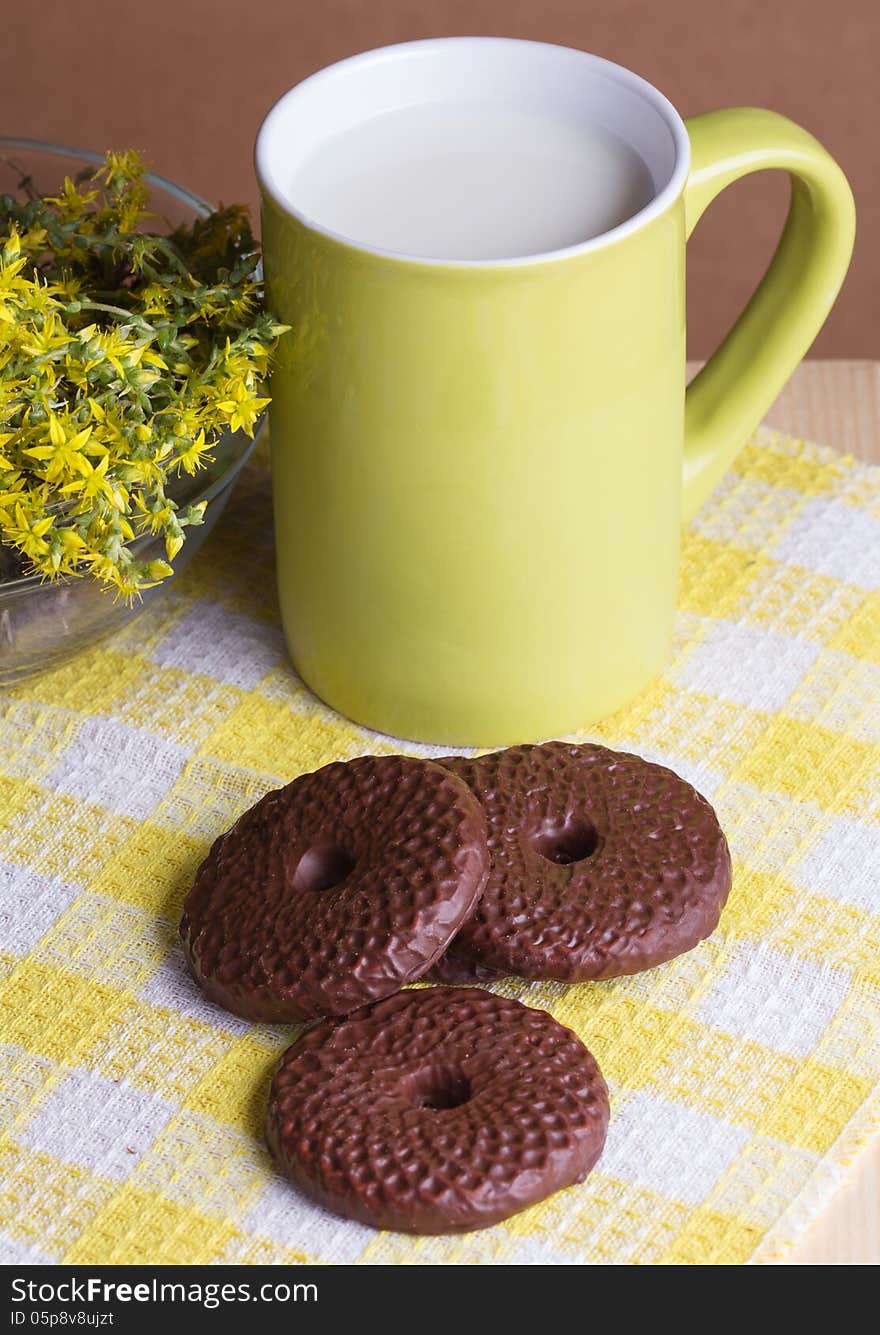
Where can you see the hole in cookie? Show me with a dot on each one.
(571, 839)
(439, 1087)
(321, 867)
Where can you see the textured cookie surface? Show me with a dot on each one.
(438, 1110)
(601, 863)
(336, 890)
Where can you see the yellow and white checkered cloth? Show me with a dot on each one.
(744, 1076)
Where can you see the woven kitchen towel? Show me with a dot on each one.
(744, 1076)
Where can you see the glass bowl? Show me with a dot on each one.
(43, 623)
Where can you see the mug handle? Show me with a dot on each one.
(729, 396)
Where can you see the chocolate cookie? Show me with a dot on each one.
(437, 1111)
(602, 863)
(336, 890)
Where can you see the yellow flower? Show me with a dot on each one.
(72, 202)
(95, 483)
(43, 341)
(242, 409)
(198, 453)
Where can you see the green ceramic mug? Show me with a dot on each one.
(481, 468)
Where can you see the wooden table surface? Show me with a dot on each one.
(838, 404)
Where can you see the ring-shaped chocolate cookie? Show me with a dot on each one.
(438, 1110)
(602, 863)
(336, 890)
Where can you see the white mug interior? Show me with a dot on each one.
(494, 70)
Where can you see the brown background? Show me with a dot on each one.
(187, 81)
